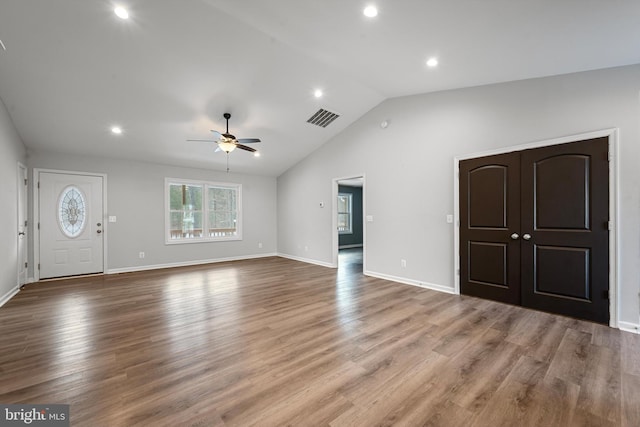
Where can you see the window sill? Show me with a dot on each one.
(209, 240)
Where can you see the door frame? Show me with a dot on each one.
(36, 215)
(334, 219)
(23, 174)
(614, 183)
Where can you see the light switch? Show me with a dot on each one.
(112, 218)
(450, 219)
(369, 218)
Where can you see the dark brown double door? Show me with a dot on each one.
(534, 228)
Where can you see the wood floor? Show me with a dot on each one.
(275, 342)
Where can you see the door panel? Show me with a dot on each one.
(489, 215)
(565, 210)
(488, 196)
(71, 224)
(562, 181)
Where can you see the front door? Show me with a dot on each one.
(534, 228)
(71, 224)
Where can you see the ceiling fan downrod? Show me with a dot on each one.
(227, 116)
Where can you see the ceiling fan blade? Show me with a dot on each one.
(245, 148)
(216, 134)
(202, 140)
(248, 140)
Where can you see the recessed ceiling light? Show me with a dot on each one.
(317, 93)
(432, 62)
(121, 12)
(256, 154)
(2, 45)
(116, 129)
(370, 11)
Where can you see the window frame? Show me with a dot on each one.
(205, 185)
(350, 213)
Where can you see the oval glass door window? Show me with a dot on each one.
(72, 211)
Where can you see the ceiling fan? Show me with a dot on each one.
(227, 142)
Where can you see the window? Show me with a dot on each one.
(345, 213)
(202, 211)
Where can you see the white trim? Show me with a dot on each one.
(307, 260)
(614, 185)
(403, 280)
(614, 233)
(25, 202)
(36, 215)
(334, 219)
(205, 220)
(6, 297)
(634, 328)
(186, 263)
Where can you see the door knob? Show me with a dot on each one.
(99, 231)
(515, 236)
(526, 236)
(99, 224)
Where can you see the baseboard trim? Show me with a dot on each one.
(411, 282)
(350, 246)
(629, 327)
(185, 263)
(307, 260)
(6, 297)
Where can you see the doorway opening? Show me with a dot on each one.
(349, 228)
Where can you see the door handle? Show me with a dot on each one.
(21, 233)
(514, 236)
(99, 231)
(526, 236)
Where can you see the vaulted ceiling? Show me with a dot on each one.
(72, 69)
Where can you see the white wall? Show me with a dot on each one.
(12, 151)
(409, 168)
(135, 195)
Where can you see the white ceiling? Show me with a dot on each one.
(72, 69)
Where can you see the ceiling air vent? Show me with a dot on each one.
(323, 118)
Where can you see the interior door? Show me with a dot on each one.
(22, 225)
(71, 224)
(490, 227)
(565, 214)
(534, 228)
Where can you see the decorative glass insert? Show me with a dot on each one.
(72, 211)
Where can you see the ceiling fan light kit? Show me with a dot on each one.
(227, 146)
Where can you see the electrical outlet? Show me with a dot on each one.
(259, 245)
(306, 248)
(141, 255)
(403, 263)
